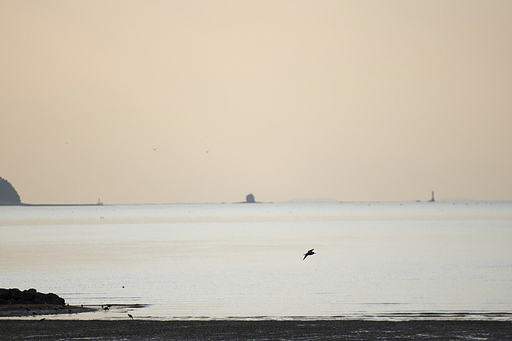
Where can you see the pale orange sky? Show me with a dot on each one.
(349, 100)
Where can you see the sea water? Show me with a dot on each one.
(377, 260)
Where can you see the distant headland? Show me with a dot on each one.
(8, 195)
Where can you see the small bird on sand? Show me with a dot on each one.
(130, 316)
(309, 253)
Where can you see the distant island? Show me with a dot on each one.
(8, 195)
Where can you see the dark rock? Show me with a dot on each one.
(30, 296)
(4, 294)
(15, 293)
(250, 198)
(51, 298)
(40, 297)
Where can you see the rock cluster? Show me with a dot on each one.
(30, 296)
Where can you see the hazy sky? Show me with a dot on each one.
(349, 100)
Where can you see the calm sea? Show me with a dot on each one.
(373, 260)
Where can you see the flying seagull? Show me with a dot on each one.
(309, 253)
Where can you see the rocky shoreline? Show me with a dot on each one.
(30, 296)
(17, 303)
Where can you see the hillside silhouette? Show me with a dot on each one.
(8, 195)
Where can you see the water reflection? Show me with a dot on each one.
(222, 261)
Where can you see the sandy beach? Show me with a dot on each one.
(253, 330)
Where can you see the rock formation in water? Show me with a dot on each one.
(250, 198)
(30, 296)
(8, 195)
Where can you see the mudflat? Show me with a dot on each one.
(12, 329)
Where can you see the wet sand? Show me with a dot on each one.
(253, 330)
